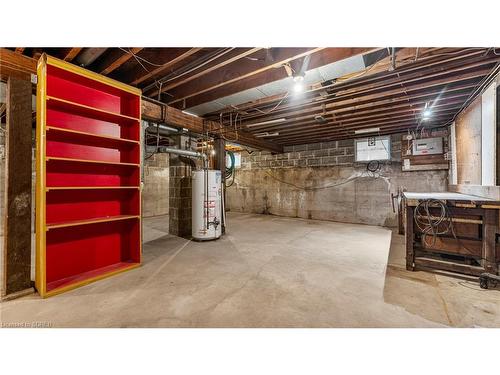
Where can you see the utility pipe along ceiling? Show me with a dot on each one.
(300, 95)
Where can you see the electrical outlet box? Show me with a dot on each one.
(428, 146)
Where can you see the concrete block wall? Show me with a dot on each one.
(322, 181)
(155, 192)
(179, 198)
(334, 153)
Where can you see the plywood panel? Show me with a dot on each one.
(488, 136)
(468, 135)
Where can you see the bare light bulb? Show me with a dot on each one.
(298, 87)
(427, 113)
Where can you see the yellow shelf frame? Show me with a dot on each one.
(74, 223)
(52, 188)
(91, 109)
(56, 158)
(41, 179)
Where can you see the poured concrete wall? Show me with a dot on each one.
(155, 191)
(332, 187)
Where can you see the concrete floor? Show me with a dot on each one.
(268, 271)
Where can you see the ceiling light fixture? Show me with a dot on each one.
(299, 83)
(266, 122)
(365, 131)
(263, 135)
(426, 114)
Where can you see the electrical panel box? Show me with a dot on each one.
(428, 146)
(373, 148)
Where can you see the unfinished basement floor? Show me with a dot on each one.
(268, 271)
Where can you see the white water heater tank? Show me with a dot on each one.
(206, 204)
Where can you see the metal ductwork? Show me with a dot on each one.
(176, 151)
(88, 56)
(164, 129)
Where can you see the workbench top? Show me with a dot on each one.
(446, 195)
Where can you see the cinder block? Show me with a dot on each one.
(320, 153)
(306, 154)
(336, 152)
(314, 146)
(349, 159)
(300, 148)
(329, 145)
(330, 160)
(345, 143)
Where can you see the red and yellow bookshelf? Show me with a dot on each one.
(88, 196)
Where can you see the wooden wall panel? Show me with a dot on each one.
(17, 230)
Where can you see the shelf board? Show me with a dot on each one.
(49, 158)
(49, 188)
(83, 135)
(85, 109)
(72, 282)
(73, 223)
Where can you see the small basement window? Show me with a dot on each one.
(372, 148)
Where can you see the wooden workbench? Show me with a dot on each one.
(472, 250)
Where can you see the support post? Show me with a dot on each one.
(18, 167)
(179, 194)
(410, 253)
(490, 224)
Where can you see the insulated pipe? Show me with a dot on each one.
(176, 151)
(164, 129)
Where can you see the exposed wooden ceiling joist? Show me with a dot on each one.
(12, 63)
(210, 69)
(237, 74)
(165, 66)
(109, 66)
(71, 54)
(356, 90)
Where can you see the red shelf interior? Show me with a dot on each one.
(73, 87)
(92, 152)
(68, 205)
(122, 128)
(69, 173)
(78, 146)
(76, 253)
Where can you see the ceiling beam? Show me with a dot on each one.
(210, 69)
(108, 67)
(173, 116)
(71, 54)
(373, 108)
(16, 65)
(166, 65)
(239, 76)
(354, 97)
(20, 50)
(383, 78)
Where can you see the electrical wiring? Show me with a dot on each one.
(140, 58)
(477, 91)
(313, 188)
(435, 224)
(275, 107)
(195, 67)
